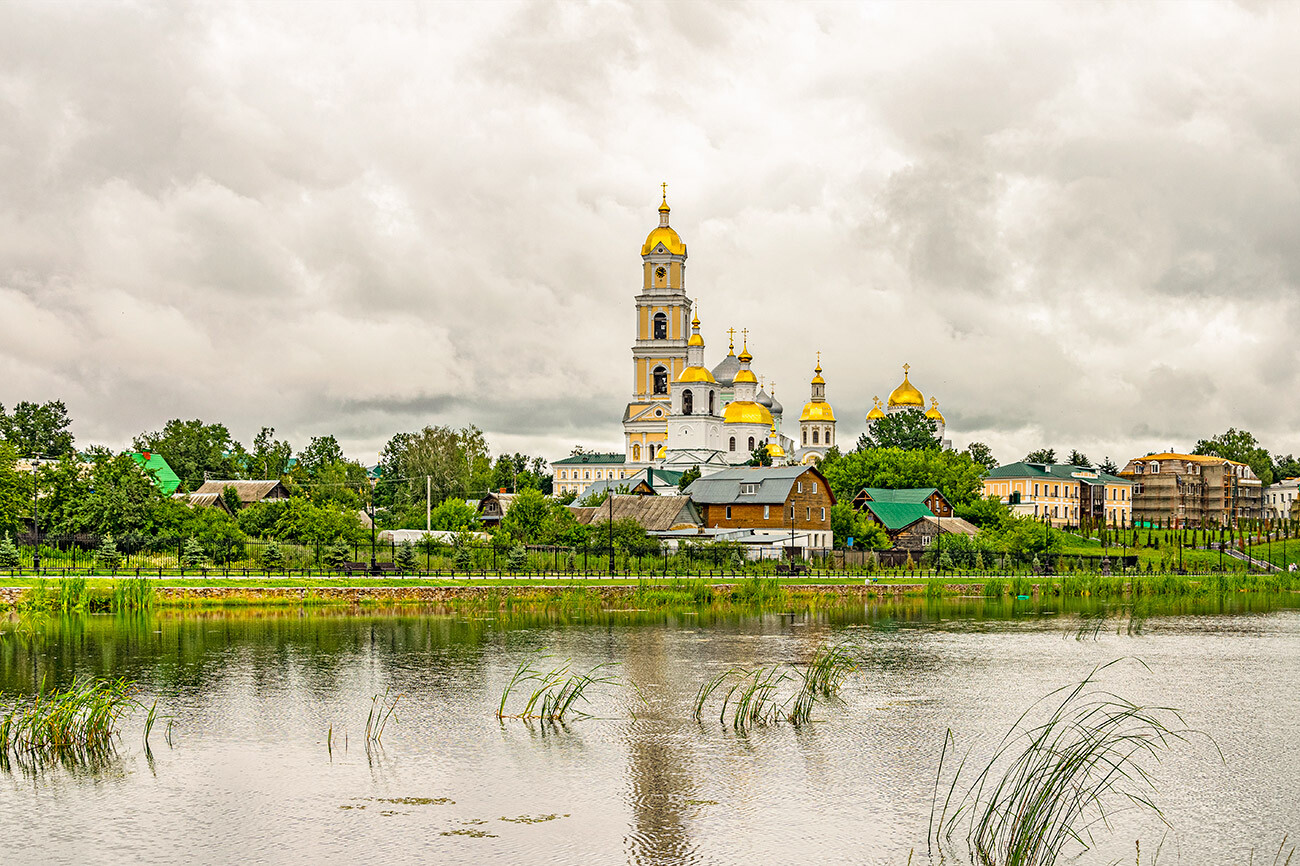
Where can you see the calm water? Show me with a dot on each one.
(249, 775)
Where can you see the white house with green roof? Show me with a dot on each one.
(575, 473)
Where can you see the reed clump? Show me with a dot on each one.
(134, 593)
(1047, 785)
(81, 720)
(555, 693)
(759, 696)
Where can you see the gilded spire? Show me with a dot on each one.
(731, 341)
(744, 350)
(663, 208)
(695, 314)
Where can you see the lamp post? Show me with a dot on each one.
(609, 495)
(374, 566)
(36, 527)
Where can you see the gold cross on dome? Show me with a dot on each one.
(731, 337)
(819, 359)
(906, 367)
(665, 188)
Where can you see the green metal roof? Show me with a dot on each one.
(911, 494)
(163, 476)
(897, 515)
(1063, 471)
(591, 458)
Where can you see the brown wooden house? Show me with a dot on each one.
(767, 498)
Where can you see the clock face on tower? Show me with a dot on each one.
(661, 272)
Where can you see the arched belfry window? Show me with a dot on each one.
(688, 402)
(751, 443)
(660, 326)
(732, 446)
(711, 403)
(660, 380)
(814, 437)
(636, 453)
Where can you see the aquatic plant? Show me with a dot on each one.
(1047, 785)
(381, 710)
(757, 590)
(79, 720)
(754, 696)
(556, 692)
(134, 593)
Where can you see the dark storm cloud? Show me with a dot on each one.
(1076, 222)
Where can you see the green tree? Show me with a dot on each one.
(1286, 467)
(195, 451)
(689, 477)
(453, 515)
(9, 558)
(337, 554)
(1042, 455)
(321, 451)
(230, 496)
(272, 557)
(461, 550)
(1108, 466)
(526, 516)
(15, 489)
(955, 474)
(107, 555)
(984, 513)
(983, 455)
(847, 523)
(406, 557)
(518, 557)
(117, 498)
(455, 462)
(1241, 446)
(37, 429)
(192, 554)
(270, 457)
(759, 456)
(1078, 458)
(908, 430)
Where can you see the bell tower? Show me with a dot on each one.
(663, 315)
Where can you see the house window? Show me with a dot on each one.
(814, 487)
(749, 488)
(1056, 490)
(823, 514)
(728, 512)
(587, 475)
(925, 541)
(1035, 489)
(660, 326)
(767, 512)
(1054, 514)
(731, 446)
(660, 380)
(807, 513)
(799, 486)
(1155, 468)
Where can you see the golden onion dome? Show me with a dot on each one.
(695, 340)
(668, 237)
(817, 379)
(933, 412)
(746, 412)
(745, 376)
(818, 411)
(697, 374)
(876, 413)
(774, 450)
(662, 452)
(906, 394)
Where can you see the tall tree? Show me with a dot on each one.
(689, 477)
(1042, 455)
(1108, 466)
(15, 490)
(195, 451)
(270, 457)
(37, 429)
(1078, 458)
(1241, 446)
(983, 455)
(1286, 467)
(909, 430)
(455, 462)
(320, 452)
(955, 474)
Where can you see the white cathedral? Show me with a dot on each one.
(683, 414)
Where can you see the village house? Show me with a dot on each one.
(654, 514)
(930, 497)
(912, 525)
(768, 500)
(249, 492)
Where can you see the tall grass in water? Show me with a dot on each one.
(81, 720)
(133, 593)
(381, 710)
(757, 696)
(757, 590)
(555, 692)
(1048, 785)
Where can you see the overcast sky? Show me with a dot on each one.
(1080, 224)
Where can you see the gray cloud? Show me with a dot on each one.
(1076, 222)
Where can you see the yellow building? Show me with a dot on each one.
(1063, 495)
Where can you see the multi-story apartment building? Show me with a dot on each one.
(1061, 494)
(1279, 498)
(1193, 490)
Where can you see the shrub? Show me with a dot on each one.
(107, 554)
(9, 557)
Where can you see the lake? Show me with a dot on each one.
(253, 772)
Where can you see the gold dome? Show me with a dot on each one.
(745, 376)
(817, 412)
(906, 394)
(662, 452)
(746, 412)
(876, 413)
(696, 374)
(818, 380)
(933, 412)
(668, 237)
(695, 340)
(774, 450)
